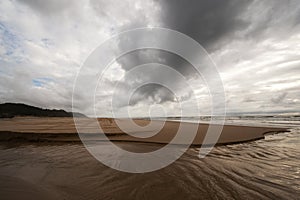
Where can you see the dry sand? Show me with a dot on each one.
(63, 130)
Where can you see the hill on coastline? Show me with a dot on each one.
(9, 110)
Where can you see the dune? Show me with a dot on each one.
(63, 129)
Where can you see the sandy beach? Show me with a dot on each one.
(62, 129)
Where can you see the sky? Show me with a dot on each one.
(255, 45)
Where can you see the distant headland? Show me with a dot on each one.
(10, 110)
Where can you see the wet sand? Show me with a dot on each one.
(64, 130)
(262, 169)
(64, 169)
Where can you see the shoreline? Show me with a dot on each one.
(62, 129)
(72, 138)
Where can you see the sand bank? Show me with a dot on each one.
(62, 129)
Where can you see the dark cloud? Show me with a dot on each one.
(213, 24)
(155, 92)
(279, 98)
(144, 56)
(205, 21)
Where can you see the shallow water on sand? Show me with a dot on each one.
(263, 169)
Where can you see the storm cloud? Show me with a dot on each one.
(254, 44)
(208, 22)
